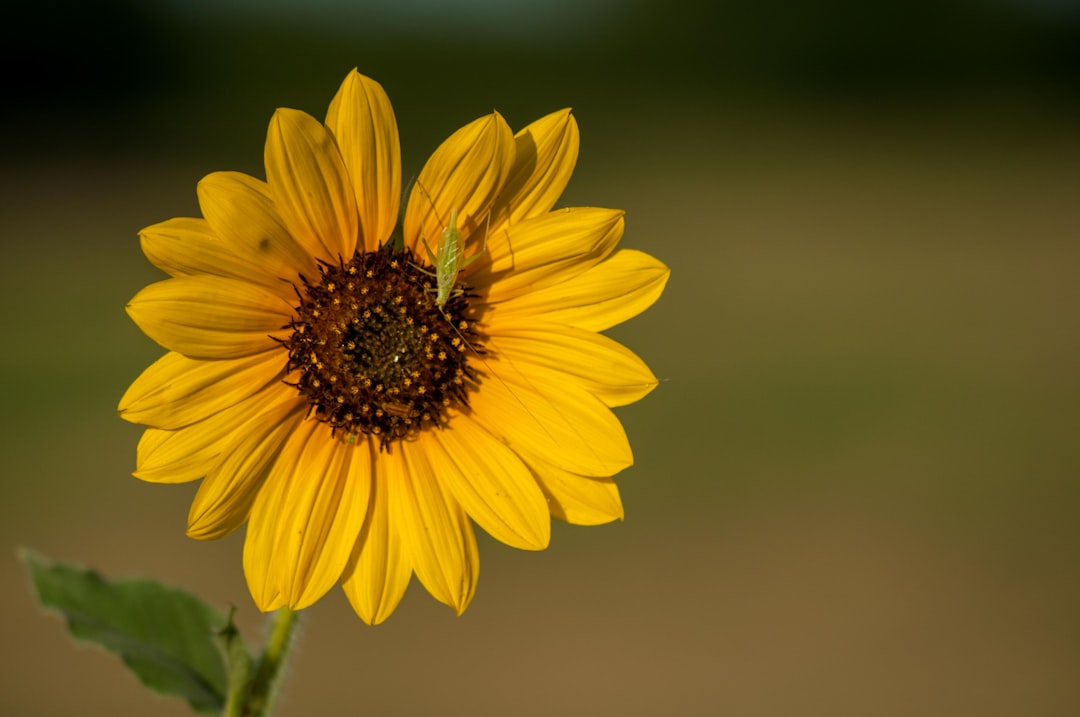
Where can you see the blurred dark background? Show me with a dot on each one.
(856, 488)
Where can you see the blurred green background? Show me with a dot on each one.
(857, 486)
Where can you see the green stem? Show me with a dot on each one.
(262, 690)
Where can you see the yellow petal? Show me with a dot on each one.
(209, 316)
(242, 214)
(465, 173)
(545, 153)
(601, 366)
(225, 496)
(362, 120)
(494, 487)
(177, 456)
(310, 185)
(159, 459)
(176, 391)
(435, 530)
(185, 246)
(379, 570)
(547, 250)
(605, 295)
(559, 421)
(578, 499)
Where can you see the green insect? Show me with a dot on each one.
(448, 260)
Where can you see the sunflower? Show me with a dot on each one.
(360, 409)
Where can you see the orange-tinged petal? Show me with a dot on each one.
(310, 185)
(320, 518)
(379, 569)
(603, 296)
(545, 153)
(223, 500)
(576, 499)
(362, 120)
(306, 518)
(261, 568)
(494, 487)
(209, 316)
(547, 250)
(604, 367)
(465, 173)
(561, 422)
(322, 565)
(176, 391)
(434, 528)
(242, 213)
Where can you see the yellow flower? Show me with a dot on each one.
(326, 399)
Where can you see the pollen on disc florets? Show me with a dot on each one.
(372, 352)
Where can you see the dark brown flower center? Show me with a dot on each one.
(372, 352)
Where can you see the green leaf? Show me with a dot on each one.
(166, 636)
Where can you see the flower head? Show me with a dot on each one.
(360, 408)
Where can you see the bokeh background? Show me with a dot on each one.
(857, 486)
